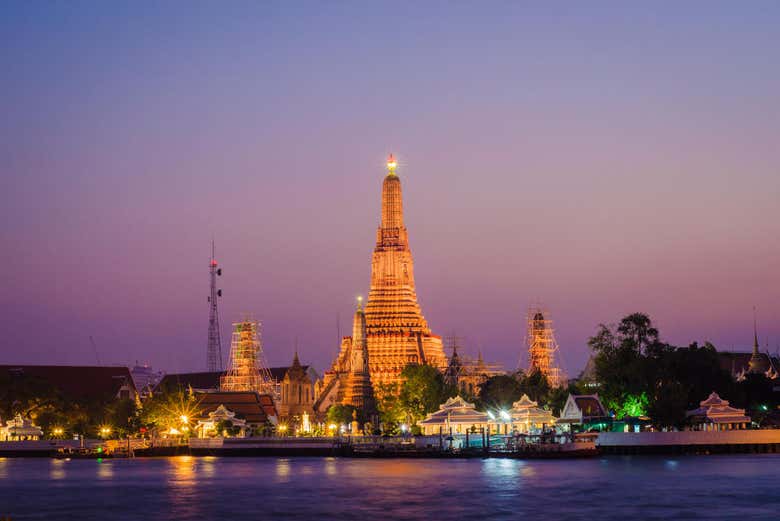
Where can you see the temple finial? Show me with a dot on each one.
(359, 302)
(755, 333)
(391, 164)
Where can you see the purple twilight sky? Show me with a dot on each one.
(602, 159)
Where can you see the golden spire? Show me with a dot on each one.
(392, 205)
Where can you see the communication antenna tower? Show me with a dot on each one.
(214, 347)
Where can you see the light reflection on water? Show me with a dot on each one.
(105, 469)
(185, 488)
(57, 469)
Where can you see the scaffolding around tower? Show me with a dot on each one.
(543, 350)
(248, 370)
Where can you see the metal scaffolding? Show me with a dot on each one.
(248, 370)
(542, 347)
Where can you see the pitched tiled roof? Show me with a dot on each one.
(590, 406)
(210, 379)
(76, 381)
(253, 407)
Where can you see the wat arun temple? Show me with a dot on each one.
(391, 332)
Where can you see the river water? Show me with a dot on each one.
(692, 487)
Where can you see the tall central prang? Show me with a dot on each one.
(397, 332)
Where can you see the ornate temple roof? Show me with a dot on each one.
(527, 410)
(456, 410)
(249, 405)
(714, 409)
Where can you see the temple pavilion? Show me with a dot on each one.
(528, 417)
(715, 414)
(220, 416)
(457, 415)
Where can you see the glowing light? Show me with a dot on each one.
(58, 431)
(391, 163)
(505, 415)
(282, 428)
(184, 418)
(404, 427)
(105, 431)
(491, 415)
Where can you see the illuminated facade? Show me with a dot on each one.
(349, 380)
(397, 334)
(542, 348)
(296, 393)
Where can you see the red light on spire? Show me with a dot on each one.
(391, 163)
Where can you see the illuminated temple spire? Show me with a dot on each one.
(395, 331)
(357, 385)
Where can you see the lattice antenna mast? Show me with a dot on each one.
(248, 369)
(542, 347)
(214, 346)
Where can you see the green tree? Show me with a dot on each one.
(422, 391)
(499, 392)
(626, 360)
(340, 414)
(536, 386)
(388, 407)
(168, 408)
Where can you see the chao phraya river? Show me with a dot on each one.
(703, 487)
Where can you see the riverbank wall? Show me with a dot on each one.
(690, 442)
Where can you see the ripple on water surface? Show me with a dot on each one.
(332, 488)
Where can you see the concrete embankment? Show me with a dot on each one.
(690, 442)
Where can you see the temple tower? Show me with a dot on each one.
(397, 333)
(758, 364)
(357, 390)
(391, 333)
(542, 348)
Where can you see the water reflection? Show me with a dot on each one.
(182, 472)
(105, 469)
(283, 470)
(57, 470)
(164, 489)
(182, 482)
(330, 467)
(502, 468)
(207, 467)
